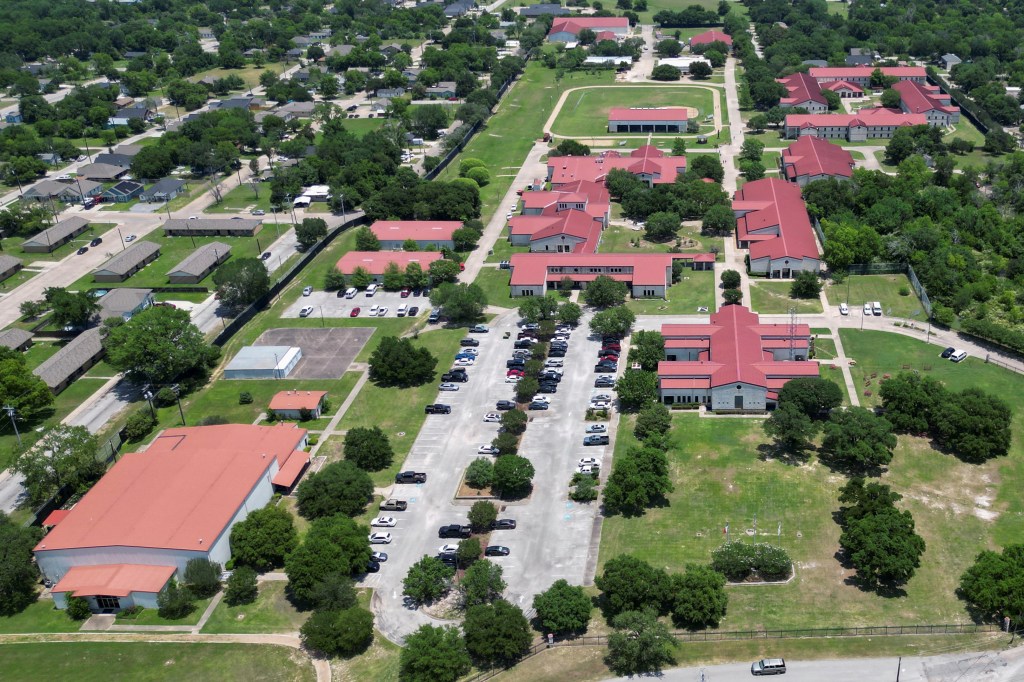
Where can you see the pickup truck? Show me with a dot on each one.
(459, 377)
(438, 408)
(454, 531)
(410, 477)
(394, 505)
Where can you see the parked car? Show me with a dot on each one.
(958, 356)
(373, 310)
(448, 549)
(384, 521)
(96, 242)
(454, 530)
(876, 308)
(379, 538)
(600, 404)
(258, 211)
(604, 382)
(306, 291)
(438, 408)
(596, 440)
(547, 388)
(469, 342)
(597, 428)
(487, 450)
(410, 477)
(505, 405)
(588, 462)
(448, 387)
(413, 311)
(554, 362)
(491, 417)
(355, 312)
(537, 405)
(614, 345)
(379, 557)
(496, 550)
(464, 362)
(306, 311)
(605, 369)
(265, 255)
(479, 329)
(946, 353)
(768, 666)
(382, 311)
(513, 378)
(394, 505)
(404, 293)
(130, 238)
(503, 524)
(844, 309)
(83, 250)
(373, 566)
(556, 353)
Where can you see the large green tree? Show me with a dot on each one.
(264, 538)
(636, 388)
(538, 308)
(338, 633)
(400, 362)
(640, 644)
(482, 583)
(605, 292)
(333, 544)
(428, 579)
(461, 302)
(241, 281)
(20, 388)
(310, 231)
(340, 487)
(648, 349)
(639, 479)
(159, 346)
(790, 428)
(857, 439)
(700, 598)
(369, 448)
(974, 424)
(813, 396)
(615, 321)
(74, 309)
(496, 634)
(434, 655)
(18, 573)
(911, 401)
(993, 586)
(64, 458)
(631, 584)
(513, 477)
(563, 609)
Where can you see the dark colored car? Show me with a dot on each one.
(469, 342)
(410, 477)
(459, 377)
(96, 242)
(522, 353)
(536, 405)
(503, 524)
(605, 369)
(547, 388)
(614, 345)
(522, 344)
(604, 382)
(608, 352)
(454, 531)
(596, 440)
(515, 362)
(556, 353)
(413, 311)
(550, 376)
(83, 250)
(505, 405)
(438, 408)
(448, 560)
(946, 353)
(372, 566)
(265, 255)
(496, 550)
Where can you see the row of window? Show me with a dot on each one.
(559, 269)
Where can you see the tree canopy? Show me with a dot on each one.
(241, 281)
(858, 440)
(563, 608)
(18, 573)
(340, 487)
(369, 448)
(63, 459)
(160, 345)
(264, 538)
(434, 654)
(400, 362)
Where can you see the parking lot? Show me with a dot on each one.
(326, 352)
(332, 305)
(554, 538)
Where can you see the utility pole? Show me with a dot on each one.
(10, 413)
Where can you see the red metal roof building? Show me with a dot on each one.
(811, 158)
(569, 231)
(393, 234)
(843, 88)
(861, 75)
(376, 262)
(929, 100)
(868, 123)
(289, 404)
(711, 37)
(647, 163)
(155, 510)
(734, 362)
(772, 222)
(659, 120)
(804, 92)
(566, 29)
(648, 275)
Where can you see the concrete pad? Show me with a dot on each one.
(326, 352)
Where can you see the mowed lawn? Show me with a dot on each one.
(621, 239)
(585, 112)
(773, 297)
(860, 289)
(695, 289)
(152, 661)
(271, 612)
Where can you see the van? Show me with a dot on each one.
(769, 666)
(351, 292)
(372, 289)
(401, 310)
(958, 355)
(417, 140)
(876, 308)
(435, 315)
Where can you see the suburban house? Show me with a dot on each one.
(164, 189)
(861, 75)
(16, 339)
(123, 192)
(294, 110)
(114, 159)
(78, 191)
(390, 93)
(843, 88)
(860, 56)
(103, 172)
(289, 404)
(868, 123)
(648, 275)
(153, 511)
(375, 263)
(200, 263)
(124, 302)
(647, 163)
(683, 62)
(9, 265)
(45, 190)
(212, 227)
(937, 107)
(539, 10)
(443, 90)
(772, 223)
(803, 92)
(393, 234)
(458, 8)
(567, 29)
(71, 361)
(949, 60)
(734, 362)
(263, 362)
(811, 158)
(661, 120)
(56, 236)
(708, 37)
(127, 263)
(122, 116)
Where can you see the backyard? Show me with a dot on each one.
(859, 289)
(773, 297)
(585, 112)
(694, 292)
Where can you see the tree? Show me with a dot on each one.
(751, 150)
(334, 280)
(202, 577)
(678, 146)
(461, 302)
(891, 99)
(732, 296)
(700, 70)
(661, 226)
(338, 633)
(333, 545)
(563, 609)
(640, 644)
(911, 401)
(752, 170)
(669, 47)
(879, 80)
(631, 584)
(360, 278)
(424, 122)
(757, 123)
(805, 285)
(789, 427)
(974, 424)
(175, 601)
(264, 538)
(434, 655)
(19, 575)
(468, 164)
(666, 72)
(731, 279)
(241, 281)
(513, 477)
(706, 166)
(159, 345)
(648, 349)
(480, 473)
(514, 421)
(20, 388)
(65, 457)
(638, 480)
(32, 309)
(569, 313)
(538, 308)
(393, 278)
(77, 608)
(482, 514)
(833, 100)
(428, 579)
(605, 292)
(366, 240)
(613, 322)
(442, 271)
(857, 439)
(718, 220)
(526, 389)
(482, 582)
(991, 586)
(340, 487)
(465, 238)
(415, 278)
(242, 587)
(399, 362)
(654, 421)
(700, 598)
(481, 176)
(814, 396)
(70, 309)
(310, 231)
(883, 547)
(496, 634)
(636, 388)
(369, 448)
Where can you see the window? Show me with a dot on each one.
(104, 603)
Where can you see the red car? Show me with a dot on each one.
(462, 267)
(515, 373)
(612, 346)
(404, 293)
(354, 313)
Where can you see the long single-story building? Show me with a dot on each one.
(648, 275)
(683, 62)
(733, 363)
(861, 75)
(127, 263)
(772, 222)
(375, 263)
(290, 404)
(712, 36)
(154, 511)
(392, 234)
(16, 339)
(937, 106)
(811, 158)
(9, 266)
(869, 123)
(56, 236)
(648, 163)
(71, 361)
(567, 29)
(124, 302)
(213, 227)
(657, 120)
(803, 92)
(263, 362)
(200, 263)
(103, 172)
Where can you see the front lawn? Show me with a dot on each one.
(494, 282)
(152, 616)
(271, 612)
(585, 113)
(42, 616)
(621, 239)
(773, 297)
(696, 289)
(859, 289)
(12, 245)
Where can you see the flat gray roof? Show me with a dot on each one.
(211, 224)
(123, 262)
(259, 357)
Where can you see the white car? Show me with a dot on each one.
(492, 417)
(306, 311)
(958, 356)
(448, 387)
(541, 399)
(465, 362)
(867, 309)
(373, 310)
(585, 469)
(844, 309)
(597, 428)
(487, 450)
(379, 538)
(600, 404)
(307, 291)
(129, 238)
(588, 461)
(383, 311)
(512, 380)
(554, 362)
(385, 521)
(600, 396)
(561, 337)
(529, 339)
(447, 549)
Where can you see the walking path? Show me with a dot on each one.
(734, 257)
(331, 428)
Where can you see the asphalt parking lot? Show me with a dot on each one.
(326, 352)
(554, 538)
(330, 304)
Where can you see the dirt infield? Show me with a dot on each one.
(326, 352)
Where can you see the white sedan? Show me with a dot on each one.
(373, 310)
(464, 362)
(512, 380)
(448, 387)
(383, 311)
(603, 397)
(487, 450)
(844, 309)
(469, 351)
(379, 538)
(599, 404)
(588, 461)
(447, 549)
(554, 362)
(597, 428)
(384, 521)
(492, 417)
(541, 399)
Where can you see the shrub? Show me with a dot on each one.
(585, 490)
(241, 587)
(139, 426)
(904, 290)
(202, 577)
(165, 397)
(732, 296)
(244, 398)
(305, 414)
(175, 602)
(739, 561)
(479, 175)
(479, 473)
(731, 279)
(213, 420)
(78, 608)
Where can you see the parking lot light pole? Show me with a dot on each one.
(322, 316)
(10, 413)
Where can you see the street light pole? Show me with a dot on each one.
(322, 316)
(10, 413)
(123, 247)
(149, 398)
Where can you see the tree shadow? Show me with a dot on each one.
(849, 469)
(886, 590)
(793, 457)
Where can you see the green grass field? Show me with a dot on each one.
(249, 74)
(618, 239)
(695, 289)
(38, 617)
(859, 289)
(585, 113)
(271, 612)
(494, 282)
(154, 661)
(243, 199)
(361, 126)
(773, 297)
(152, 616)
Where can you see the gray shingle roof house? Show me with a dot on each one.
(442, 89)
(71, 361)
(115, 159)
(78, 190)
(101, 171)
(123, 192)
(127, 263)
(212, 227)
(16, 339)
(165, 189)
(8, 266)
(124, 302)
(295, 110)
(459, 7)
(52, 237)
(199, 263)
(860, 56)
(46, 189)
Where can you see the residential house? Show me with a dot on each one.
(654, 120)
(458, 8)
(443, 90)
(861, 75)
(375, 263)
(13, 117)
(293, 110)
(708, 37)
(294, 53)
(860, 56)
(803, 92)
(937, 106)
(78, 191)
(340, 50)
(567, 29)
(250, 102)
(390, 93)
(123, 116)
(114, 159)
(647, 275)
(949, 60)
(390, 49)
(206, 33)
(9, 266)
(393, 234)
(772, 223)
(49, 158)
(164, 189)
(212, 227)
(865, 124)
(103, 172)
(123, 192)
(647, 163)
(56, 236)
(72, 361)
(732, 363)
(290, 404)
(811, 158)
(16, 339)
(197, 265)
(124, 303)
(125, 264)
